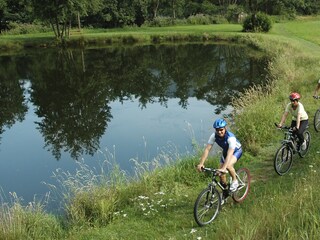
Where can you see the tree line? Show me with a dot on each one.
(60, 15)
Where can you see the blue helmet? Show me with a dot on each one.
(219, 123)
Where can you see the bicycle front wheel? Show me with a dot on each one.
(307, 138)
(316, 121)
(283, 160)
(244, 179)
(207, 206)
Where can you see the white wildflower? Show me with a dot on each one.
(159, 193)
(193, 230)
(143, 197)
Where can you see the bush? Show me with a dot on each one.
(199, 19)
(160, 22)
(258, 22)
(219, 19)
(15, 28)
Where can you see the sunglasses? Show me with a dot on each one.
(219, 129)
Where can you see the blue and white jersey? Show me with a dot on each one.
(228, 141)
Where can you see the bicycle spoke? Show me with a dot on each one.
(283, 160)
(243, 176)
(316, 120)
(307, 137)
(207, 206)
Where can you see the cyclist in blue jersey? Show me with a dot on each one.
(231, 152)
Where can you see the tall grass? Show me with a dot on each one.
(27, 222)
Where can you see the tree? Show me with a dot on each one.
(3, 10)
(60, 13)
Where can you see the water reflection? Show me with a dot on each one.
(71, 90)
(12, 101)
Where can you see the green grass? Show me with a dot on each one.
(160, 204)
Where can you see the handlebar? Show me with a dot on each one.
(282, 127)
(213, 170)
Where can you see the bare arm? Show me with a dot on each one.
(283, 119)
(204, 156)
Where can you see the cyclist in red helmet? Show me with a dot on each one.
(299, 121)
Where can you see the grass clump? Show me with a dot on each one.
(28, 222)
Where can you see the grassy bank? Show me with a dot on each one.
(160, 204)
(122, 36)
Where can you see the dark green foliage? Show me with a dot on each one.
(25, 28)
(257, 22)
(160, 22)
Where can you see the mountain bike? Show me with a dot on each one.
(316, 119)
(284, 156)
(208, 203)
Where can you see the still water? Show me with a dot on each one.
(58, 107)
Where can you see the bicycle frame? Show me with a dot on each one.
(289, 138)
(215, 182)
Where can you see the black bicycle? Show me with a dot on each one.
(209, 201)
(284, 156)
(316, 119)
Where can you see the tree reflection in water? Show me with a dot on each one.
(13, 106)
(72, 89)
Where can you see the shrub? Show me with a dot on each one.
(160, 22)
(25, 28)
(199, 19)
(219, 19)
(258, 22)
(93, 208)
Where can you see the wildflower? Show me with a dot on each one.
(143, 197)
(193, 230)
(159, 193)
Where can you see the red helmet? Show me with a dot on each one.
(294, 96)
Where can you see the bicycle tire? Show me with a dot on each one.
(207, 206)
(307, 137)
(283, 160)
(316, 121)
(244, 180)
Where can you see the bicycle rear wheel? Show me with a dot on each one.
(207, 206)
(283, 160)
(316, 121)
(244, 180)
(307, 138)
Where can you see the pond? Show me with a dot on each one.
(131, 102)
